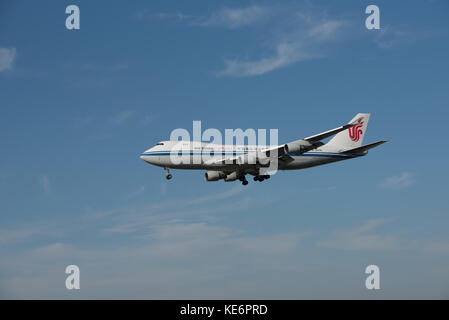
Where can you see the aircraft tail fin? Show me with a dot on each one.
(353, 137)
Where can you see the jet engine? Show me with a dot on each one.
(300, 146)
(214, 175)
(231, 177)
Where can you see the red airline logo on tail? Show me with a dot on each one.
(355, 131)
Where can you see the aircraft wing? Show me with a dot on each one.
(306, 144)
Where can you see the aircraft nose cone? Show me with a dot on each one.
(148, 156)
(144, 157)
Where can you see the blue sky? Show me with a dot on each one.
(78, 108)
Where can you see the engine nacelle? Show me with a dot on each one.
(231, 177)
(214, 175)
(299, 146)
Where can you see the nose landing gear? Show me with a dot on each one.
(168, 176)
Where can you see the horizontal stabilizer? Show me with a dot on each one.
(365, 149)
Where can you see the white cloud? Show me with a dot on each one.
(173, 16)
(148, 119)
(119, 66)
(45, 183)
(177, 258)
(285, 54)
(324, 29)
(187, 239)
(138, 219)
(304, 42)
(440, 247)
(122, 116)
(83, 121)
(218, 196)
(7, 57)
(176, 254)
(362, 238)
(136, 193)
(401, 181)
(176, 15)
(236, 17)
(16, 235)
(229, 18)
(163, 15)
(389, 37)
(292, 35)
(163, 188)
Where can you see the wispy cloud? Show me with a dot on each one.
(122, 116)
(119, 66)
(292, 34)
(389, 37)
(14, 235)
(362, 238)
(228, 18)
(45, 184)
(163, 188)
(232, 18)
(83, 121)
(284, 54)
(401, 181)
(7, 57)
(304, 41)
(191, 254)
(137, 219)
(175, 240)
(8, 236)
(440, 247)
(218, 196)
(148, 119)
(136, 193)
(146, 13)
(185, 239)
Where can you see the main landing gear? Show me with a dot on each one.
(168, 176)
(261, 178)
(244, 181)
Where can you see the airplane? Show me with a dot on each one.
(234, 162)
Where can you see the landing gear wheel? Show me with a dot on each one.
(168, 176)
(245, 182)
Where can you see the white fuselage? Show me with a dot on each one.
(199, 156)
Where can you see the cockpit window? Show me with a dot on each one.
(159, 144)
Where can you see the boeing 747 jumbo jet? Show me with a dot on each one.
(231, 163)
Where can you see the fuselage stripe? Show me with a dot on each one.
(308, 154)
